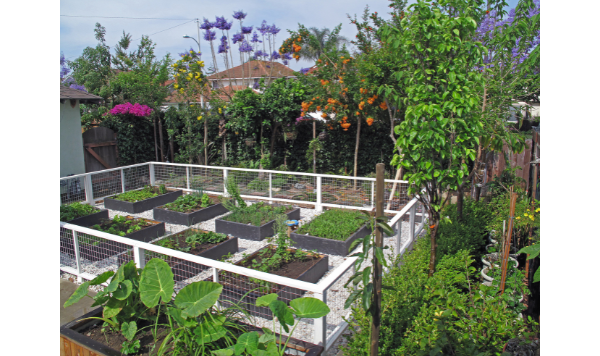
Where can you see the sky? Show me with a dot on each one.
(168, 29)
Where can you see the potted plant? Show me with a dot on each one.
(332, 232)
(137, 201)
(277, 258)
(82, 214)
(189, 209)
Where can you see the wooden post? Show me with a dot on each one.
(314, 150)
(533, 190)
(505, 252)
(377, 270)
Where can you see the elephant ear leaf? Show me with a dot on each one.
(265, 300)
(79, 293)
(533, 251)
(128, 330)
(101, 278)
(195, 298)
(283, 313)
(309, 308)
(124, 290)
(156, 283)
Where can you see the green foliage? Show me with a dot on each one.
(468, 234)
(257, 214)
(138, 195)
(162, 189)
(192, 238)
(335, 224)
(533, 251)
(76, 210)
(188, 203)
(235, 201)
(120, 226)
(258, 184)
(524, 217)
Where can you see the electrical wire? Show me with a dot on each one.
(123, 17)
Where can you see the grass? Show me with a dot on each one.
(334, 224)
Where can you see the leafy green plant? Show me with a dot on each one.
(533, 251)
(251, 343)
(234, 202)
(138, 195)
(76, 210)
(256, 214)
(191, 238)
(258, 185)
(188, 203)
(162, 189)
(122, 226)
(335, 224)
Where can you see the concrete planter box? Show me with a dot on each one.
(74, 342)
(251, 232)
(90, 220)
(141, 206)
(187, 219)
(234, 293)
(329, 246)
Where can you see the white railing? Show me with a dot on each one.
(86, 253)
(318, 190)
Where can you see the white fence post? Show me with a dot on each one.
(399, 235)
(373, 195)
(215, 273)
(318, 206)
(89, 191)
(139, 257)
(122, 180)
(187, 174)
(411, 224)
(320, 332)
(151, 169)
(77, 257)
(225, 172)
(270, 185)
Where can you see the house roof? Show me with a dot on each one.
(222, 93)
(255, 69)
(75, 94)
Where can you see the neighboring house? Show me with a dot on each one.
(71, 143)
(250, 73)
(224, 93)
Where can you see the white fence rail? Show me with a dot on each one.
(87, 253)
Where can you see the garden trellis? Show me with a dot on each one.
(108, 251)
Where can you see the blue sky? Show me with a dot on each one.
(76, 33)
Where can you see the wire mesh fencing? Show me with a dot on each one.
(207, 179)
(72, 190)
(293, 187)
(106, 184)
(136, 177)
(354, 192)
(171, 176)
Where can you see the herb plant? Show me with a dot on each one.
(257, 214)
(190, 239)
(138, 195)
(76, 210)
(122, 226)
(335, 224)
(188, 203)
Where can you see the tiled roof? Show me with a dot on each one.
(255, 69)
(75, 94)
(223, 93)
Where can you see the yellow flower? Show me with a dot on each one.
(176, 86)
(224, 107)
(518, 217)
(181, 90)
(201, 64)
(175, 65)
(220, 111)
(191, 105)
(200, 117)
(191, 51)
(237, 133)
(537, 210)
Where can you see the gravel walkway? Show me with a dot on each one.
(336, 294)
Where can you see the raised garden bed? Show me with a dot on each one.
(133, 228)
(188, 213)
(134, 207)
(247, 230)
(236, 286)
(74, 339)
(82, 214)
(331, 232)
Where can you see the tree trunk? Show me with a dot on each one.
(459, 201)
(434, 219)
(356, 151)
(160, 137)
(314, 150)
(172, 150)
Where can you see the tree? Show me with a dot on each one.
(436, 62)
(93, 68)
(322, 40)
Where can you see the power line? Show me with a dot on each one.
(165, 29)
(122, 17)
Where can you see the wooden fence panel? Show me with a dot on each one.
(100, 149)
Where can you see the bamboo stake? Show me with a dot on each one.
(513, 203)
(377, 269)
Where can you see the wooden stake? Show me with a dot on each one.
(377, 270)
(513, 203)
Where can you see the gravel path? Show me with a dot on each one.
(336, 294)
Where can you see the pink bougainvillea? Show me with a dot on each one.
(133, 109)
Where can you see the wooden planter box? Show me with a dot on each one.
(74, 342)
(187, 219)
(286, 294)
(92, 219)
(251, 232)
(141, 206)
(329, 246)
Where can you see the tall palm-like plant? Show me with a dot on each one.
(322, 40)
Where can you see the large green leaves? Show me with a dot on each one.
(283, 313)
(209, 332)
(196, 298)
(533, 251)
(128, 330)
(309, 308)
(265, 300)
(247, 342)
(156, 283)
(124, 290)
(79, 293)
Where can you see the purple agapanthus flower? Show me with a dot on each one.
(210, 35)
(275, 55)
(260, 53)
(207, 25)
(304, 70)
(222, 24)
(245, 47)
(287, 56)
(223, 47)
(263, 29)
(239, 15)
(285, 62)
(78, 87)
(246, 29)
(255, 38)
(256, 85)
(274, 30)
(238, 37)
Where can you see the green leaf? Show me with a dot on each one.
(128, 330)
(223, 352)
(197, 297)
(536, 276)
(367, 293)
(264, 338)
(181, 321)
(246, 341)
(113, 307)
(311, 308)
(456, 32)
(265, 300)
(209, 332)
(533, 251)
(351, 298)
(366, 275)
(124, 290)
(386, 228)
(380, 257)
(101, 278)
(79, 293)
(156, 283)
(283, 313)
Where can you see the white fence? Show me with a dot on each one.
(86, 253)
